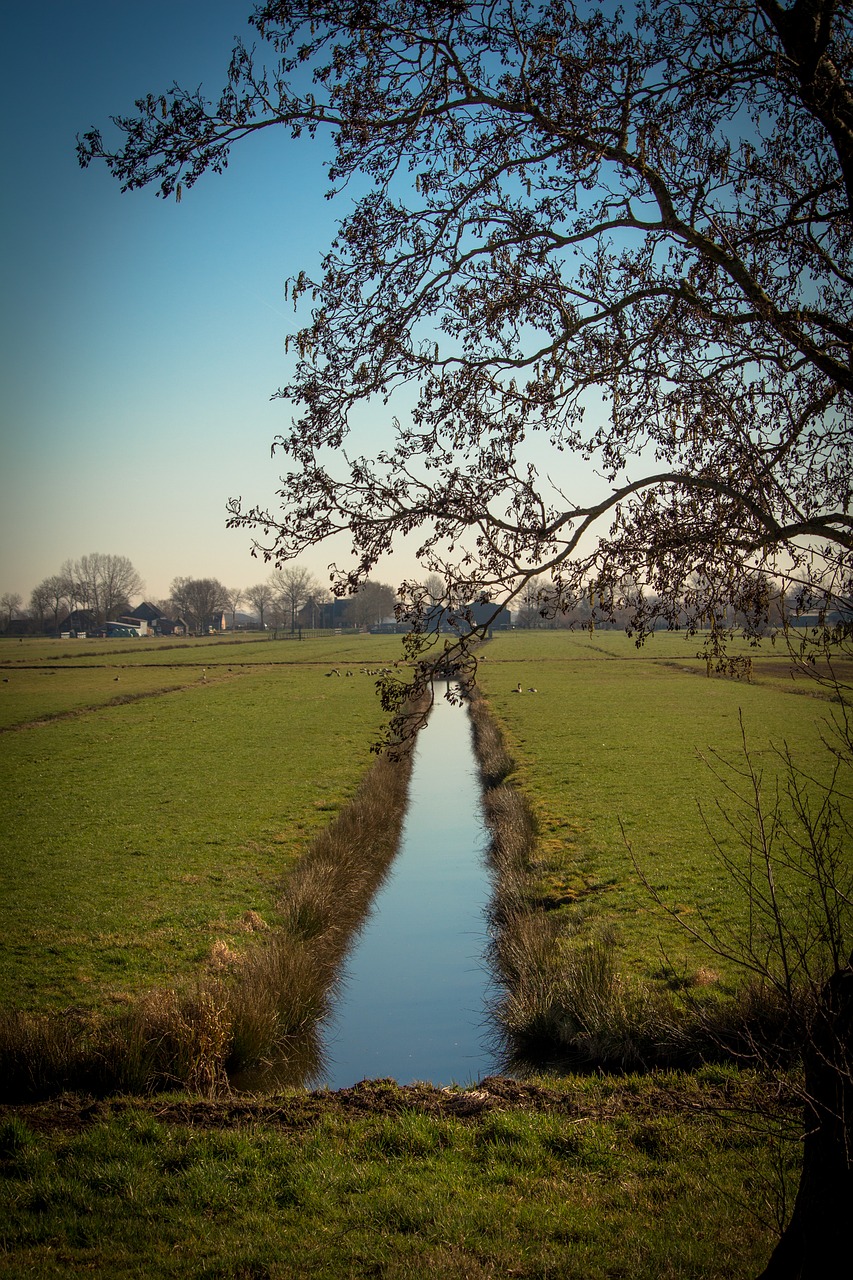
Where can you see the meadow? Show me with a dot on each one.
(154, 793)
(156, 799)
(622, 754)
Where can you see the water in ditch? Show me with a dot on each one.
(416, 987)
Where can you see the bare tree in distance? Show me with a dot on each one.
(199, 600)
(10, 604)
(233, 598)
(260, 597)
(40, 604)
(51, 596)
(293, 585)
(374, 603)
(434, 586)
(179, 599)
(104, 584)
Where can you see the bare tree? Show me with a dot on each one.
(10, 604)
(373, 604)
(199, 599)
(51, 597)
(233, 597)
(434, 586)
(179, 596)
(40, 601)
(260, 596)
(786, 850)
(105, 584)
(292, 586)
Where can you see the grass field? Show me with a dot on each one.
(143, 816)
(583, 1180)
(611, 743)
(153, 793)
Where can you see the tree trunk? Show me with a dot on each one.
(816, 1244)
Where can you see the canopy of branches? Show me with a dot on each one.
(598, 271)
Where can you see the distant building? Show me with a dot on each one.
(125, 628)
(151, 614)
(21, 627)
(460, 621)
(832, 618)
(79, 620)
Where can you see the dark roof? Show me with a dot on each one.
(147, 612)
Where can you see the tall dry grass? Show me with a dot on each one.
(262, 1012)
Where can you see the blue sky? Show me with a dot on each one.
(142, 339)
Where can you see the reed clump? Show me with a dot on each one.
(261, 1007)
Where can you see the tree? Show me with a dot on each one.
(373, 604)
(292, 586)
(620, 239)
(787, 850)
(199, 599)
(434, 587)
(102, 583)
(179, 596)
(233, 597)
(10, 604)
(40, 604)
(51, 596)
(531, 607)
(260, 597)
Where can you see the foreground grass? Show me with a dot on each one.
(648, 1177)
(611, 746)
(136, 835)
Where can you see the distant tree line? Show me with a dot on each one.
(759, 605)
(99, 588)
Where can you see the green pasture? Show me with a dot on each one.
(198, 651)
(46, 678)
(618, 740)
(657, 1179)
(134, 835)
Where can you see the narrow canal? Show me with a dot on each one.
(416, 987)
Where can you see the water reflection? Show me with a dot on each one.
(416, 985)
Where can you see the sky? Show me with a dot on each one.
(142, 339)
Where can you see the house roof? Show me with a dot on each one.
(147, 611)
